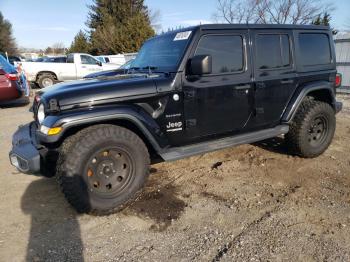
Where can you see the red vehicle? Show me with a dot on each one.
(13, 84)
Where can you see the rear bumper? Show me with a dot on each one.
(24, 154)
(338, 107)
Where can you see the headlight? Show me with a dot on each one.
(41, 113)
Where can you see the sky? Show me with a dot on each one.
(41, 23)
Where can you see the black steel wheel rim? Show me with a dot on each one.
(109, 172)
(318, 130)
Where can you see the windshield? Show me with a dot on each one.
(162, 53)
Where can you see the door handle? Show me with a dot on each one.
(287, 81)
(242, 87)
(83, 67)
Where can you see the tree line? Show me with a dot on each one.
(122, 26)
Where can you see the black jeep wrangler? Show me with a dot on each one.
(189, 92)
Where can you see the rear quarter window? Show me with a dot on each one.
(315, 49)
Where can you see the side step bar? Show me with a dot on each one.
(176, 153)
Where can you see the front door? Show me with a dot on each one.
(88, 65)
(221, 102)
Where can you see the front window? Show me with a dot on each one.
(88, 60)
(227, 52)
(163, 53)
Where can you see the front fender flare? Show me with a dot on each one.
(137, 116)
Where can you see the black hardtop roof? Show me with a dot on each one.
(246, 26)
(262, 26)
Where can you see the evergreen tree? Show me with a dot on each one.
(324, 19)
(118, 26)
(80, 44)
(7, 42)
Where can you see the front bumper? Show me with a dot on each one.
(24, 154)
(338, 107)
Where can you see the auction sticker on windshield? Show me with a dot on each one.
(182, 35)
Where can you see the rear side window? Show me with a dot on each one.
(70, 59)
(272, 51)
(314, 49)
(107, 59)
(226, 52)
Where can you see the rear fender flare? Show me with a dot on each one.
(303, 92)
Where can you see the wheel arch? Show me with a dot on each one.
(320, 91)
(45, 72)
(139, 122)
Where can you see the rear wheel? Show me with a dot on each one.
(102, 169)
(312, 129)
(46, 80)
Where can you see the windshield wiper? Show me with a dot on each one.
(133, 69)
(150, 68)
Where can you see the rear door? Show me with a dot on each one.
(220, 103)
(275, 75)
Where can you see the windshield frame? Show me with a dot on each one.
(168, 69)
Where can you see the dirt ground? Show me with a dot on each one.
(249, 203)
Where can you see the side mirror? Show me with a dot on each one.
(99, 63)
(201, 65)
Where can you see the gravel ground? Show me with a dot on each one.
(249, 203)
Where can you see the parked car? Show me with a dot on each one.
(11, 58)
(77, 66)
(193, 91)
(103, 59)
(118, 59)
(55, 59)
(124, 69)
(40, 59)
(13, 84)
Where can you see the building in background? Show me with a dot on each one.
(342, 50)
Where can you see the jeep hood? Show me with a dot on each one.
(99, 91)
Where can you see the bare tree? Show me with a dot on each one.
(155, 18)
(58, 48)
(270, 11)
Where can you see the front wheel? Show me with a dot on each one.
(102, 169)
(312, 129)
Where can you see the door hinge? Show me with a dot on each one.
(191, 123)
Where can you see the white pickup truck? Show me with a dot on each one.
(77, 66)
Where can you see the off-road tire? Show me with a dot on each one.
(74, 155)
(43, 77)
(298, 138)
